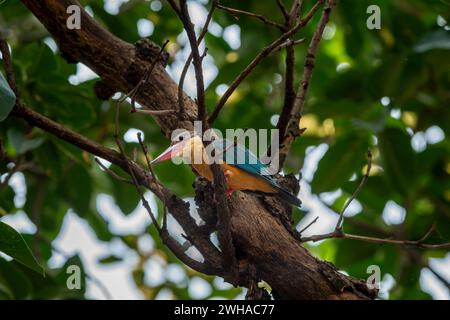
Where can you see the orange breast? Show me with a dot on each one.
(237, 179)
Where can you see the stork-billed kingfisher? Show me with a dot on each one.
(242, 169)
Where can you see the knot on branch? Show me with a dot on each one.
(342, 283)
(134, 74)
(176, 205)
(148, 50)
(204, 198)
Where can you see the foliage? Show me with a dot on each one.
(386, 89)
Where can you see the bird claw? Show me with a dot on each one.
(229, 191)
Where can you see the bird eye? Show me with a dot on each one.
(181, 138)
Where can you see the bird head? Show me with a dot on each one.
(181, 146)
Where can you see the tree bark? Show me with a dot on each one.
(260, 239)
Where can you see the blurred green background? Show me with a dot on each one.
(386, 89)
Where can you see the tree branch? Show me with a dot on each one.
(189, 60)
(234, 12)
(178, 208)
(183, 13)
(258, 235)
(283, 9)
(356, 192)
(289, 90)
(293, 129)
(224, 225)
(259, 57)
(341, 234)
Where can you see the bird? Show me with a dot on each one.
(242, 169)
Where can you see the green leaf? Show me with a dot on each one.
(12, 243)
(6, 200)
(77, 189)
(20, 142)
(398, 160)
(126, 196)
(7, 98)
(344, 158)
(11, 277)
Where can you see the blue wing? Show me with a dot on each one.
(237, 155)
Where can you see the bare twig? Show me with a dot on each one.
(234, 12)
(175, 6)
(112, 173)
(356, 192)
(212, 263)
(283, 9)
(224, 227)
(289, 90)
(341, 234)
(172, 244)
(259, 57)
(293, 130)
(150, 168)
(183, 14)
(289, 44)
(429, 232)
(141, 82)
(154, 112)
(440, 277)
(419, 259)
(189, 59)
(130, 170)
(308, 225)
(296, 8)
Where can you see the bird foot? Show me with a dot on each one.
(227, 174)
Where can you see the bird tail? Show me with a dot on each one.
(288, 197)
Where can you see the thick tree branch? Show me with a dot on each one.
(258, 236)
(223, 212)
(178, 208)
